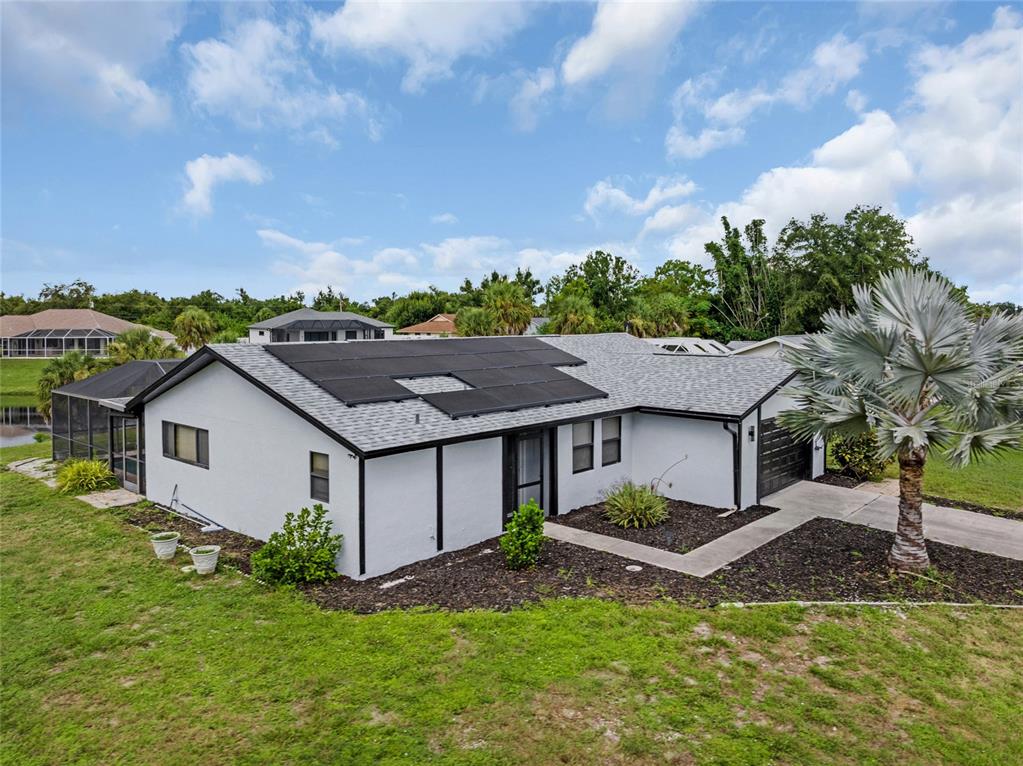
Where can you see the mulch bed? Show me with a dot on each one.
(688, 525)
(838, 480)
(823, 560)
(236, 548)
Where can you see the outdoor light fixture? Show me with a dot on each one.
(752, 433)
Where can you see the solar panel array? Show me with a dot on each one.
(506, 373)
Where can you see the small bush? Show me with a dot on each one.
(41, 437)
(80, 477)
(523, 539)
(631, 505)
(302, 551)
(856, 455)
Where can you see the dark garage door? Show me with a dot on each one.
(783, 460)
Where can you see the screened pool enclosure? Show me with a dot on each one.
(88, 419)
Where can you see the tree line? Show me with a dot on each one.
(754, 289)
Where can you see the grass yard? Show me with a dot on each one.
(995, 482)
(112, 656)
(18, 379)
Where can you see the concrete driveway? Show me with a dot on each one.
(966, 529)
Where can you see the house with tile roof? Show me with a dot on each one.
(421, 446)
(440, 326)
(54, 332)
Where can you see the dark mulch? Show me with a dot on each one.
(235, 547)
(963, 505)
(823, 560)
(688, 525)
(838, 480)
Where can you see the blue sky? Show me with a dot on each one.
(383, 147)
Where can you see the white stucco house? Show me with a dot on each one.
(422, 446)
(311, 326)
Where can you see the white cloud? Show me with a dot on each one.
(257, 75)
(833, 63)
(465, 254)
(530, 98)
(446, 218)
(670, 218)
(92, 55)
(207, 171)
(605, 196)
(856, 100)
(430, 37)
(957, 147)
(626, 36)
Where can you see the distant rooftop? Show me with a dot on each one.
(310, 319)
(55, 323)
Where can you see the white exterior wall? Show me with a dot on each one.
(259, 459)
(472, 492)
(255, 337)
(401, 510)
(704, 476)
(750, 449)
(585, 488)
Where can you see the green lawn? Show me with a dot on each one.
(996, 482)
(18, 381)
(110, 656)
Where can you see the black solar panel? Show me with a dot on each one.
(365, 390)
(508, 376)
(481, 401)
(508, 373)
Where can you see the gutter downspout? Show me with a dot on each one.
(736, 461)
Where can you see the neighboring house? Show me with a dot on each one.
(535, 324)
(309, 325)
(695, 346)
(54, 332)
(440, 326)
(88, 419)
(422, 446)
(768, 347)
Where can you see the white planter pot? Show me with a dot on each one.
(165, 547)
(205, 558)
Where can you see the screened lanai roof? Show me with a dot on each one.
(121, 382)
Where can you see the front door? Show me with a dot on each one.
(527, 470)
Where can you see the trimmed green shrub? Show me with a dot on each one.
(523, 538)
(304, 550)
(80, 477)
(856, 455)
(634, 505)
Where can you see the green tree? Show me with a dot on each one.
(508, 304)
(826, 258)
(140, 343)
(72, 366)
(907, 362)
(473, 321)
(193, 328)
(659, 315)
(572, 314)
(749, 282)
(418, 306)
(609, 282)
(328, 300)
(73, 295)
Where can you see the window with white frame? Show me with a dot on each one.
(582, 446)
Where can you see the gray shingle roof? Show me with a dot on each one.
(307, 314)
(625, 367)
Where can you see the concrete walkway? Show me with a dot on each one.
(800, 503)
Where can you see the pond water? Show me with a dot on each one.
(19, 425)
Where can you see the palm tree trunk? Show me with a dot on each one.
(909, 553)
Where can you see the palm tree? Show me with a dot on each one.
(508, 304)
(908, 363)
(572, 315)
(140, 343)
(74, 365)
(193, 328)
(473, 321)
